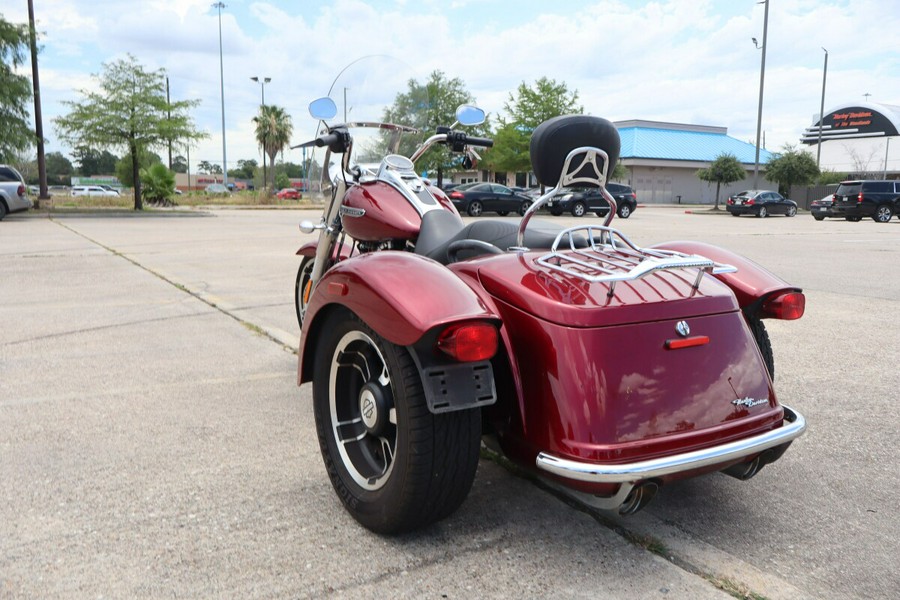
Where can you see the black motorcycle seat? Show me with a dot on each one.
(441, 228)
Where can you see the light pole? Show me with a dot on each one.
(220, 6)
(762, 80)
(887, 148)
(822, 109)
(263, 83)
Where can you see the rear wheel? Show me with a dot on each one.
(578, 209)
(762, 212)
(475, 208)
(394, 464)
(762, 341)
(301, 293)
(883, 214)
(624, 211)
(819, 218)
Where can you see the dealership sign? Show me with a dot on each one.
(850, 122)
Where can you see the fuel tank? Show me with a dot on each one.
(656, 368)
(375, 211)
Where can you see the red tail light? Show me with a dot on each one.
(750, 201)
(456, 195)
(691, 342)
(21, 190)
(859, 198)
(730, 200)
(469, 342)
(787, 306)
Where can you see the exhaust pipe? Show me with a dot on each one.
(639, 497)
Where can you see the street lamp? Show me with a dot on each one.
(822, 109)
(263, 83)
(762, 79)
(220, 6)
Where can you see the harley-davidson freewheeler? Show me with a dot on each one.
(603, 367)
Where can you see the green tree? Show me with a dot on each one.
(792, 167)
(127, 108)
(273, 130)
(282, 181)
(179, 164)
(246, 169)
(59, 168)
(620, 173)
(724, 169)
(124, 171)
(16, 134)
(426, 107)
(94, 162)
(528, 108)
(829, 176)
(159, 183)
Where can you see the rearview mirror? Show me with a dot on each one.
(467, 114)
(323, 108)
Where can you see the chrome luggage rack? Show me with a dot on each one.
(612, 257)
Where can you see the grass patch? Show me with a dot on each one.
(190, 199)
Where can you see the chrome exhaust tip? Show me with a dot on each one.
(639, 497)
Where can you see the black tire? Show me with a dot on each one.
(853, 219)
(303, 273)
(523, 208)
(883, 214)
(734, 214)
(762, 212)
(762, 341)
(502, 213)
(556, 213)
(578, 209)
(397, 466)
(3, 210)
(792, 211)
(475, 208)
(818, 218)
(624, 211)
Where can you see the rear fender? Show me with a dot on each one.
(400, 295)
(754, 287)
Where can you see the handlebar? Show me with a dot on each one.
(477, 141)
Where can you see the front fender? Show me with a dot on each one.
(752, 284)
(398, 294)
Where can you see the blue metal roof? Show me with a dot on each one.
(672, 144)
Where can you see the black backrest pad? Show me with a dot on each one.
(553, 139)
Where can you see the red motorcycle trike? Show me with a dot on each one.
(605, 368)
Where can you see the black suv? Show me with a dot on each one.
(579, 201)
(878, 199)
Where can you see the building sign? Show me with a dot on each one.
(851, 122)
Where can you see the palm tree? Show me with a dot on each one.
(273, 132)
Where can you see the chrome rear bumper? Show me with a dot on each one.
(631, 473)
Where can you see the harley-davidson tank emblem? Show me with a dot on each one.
(349, 211)
(748, 402)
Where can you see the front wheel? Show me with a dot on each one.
(792, 211)
(302, 288)
(578, 209)
(523, 208)
(883, 214)
(475, 208)
(394, 465)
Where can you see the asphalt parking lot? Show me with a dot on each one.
(153, 441)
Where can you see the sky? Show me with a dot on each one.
(683, 61)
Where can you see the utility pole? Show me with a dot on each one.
(220, 6)
(38, 120)
(822, 109)
(762, 79)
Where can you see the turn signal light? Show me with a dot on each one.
(469, 342)
(788, 306)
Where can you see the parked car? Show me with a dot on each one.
(92, 190)
(878, 199)
(289, 194)
(217, 189)
(476, 198)
(821, 208)
(110, 188)
(761, 203)
(580, 201)
(13, 193)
